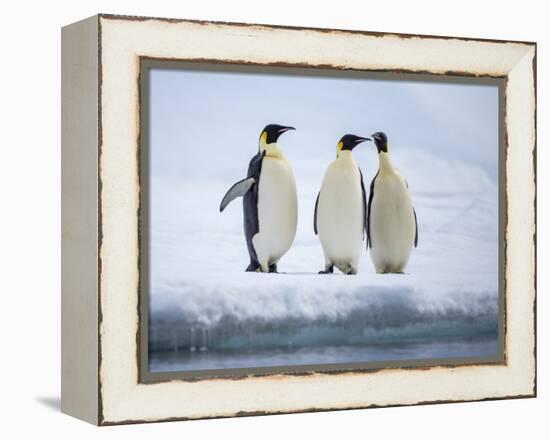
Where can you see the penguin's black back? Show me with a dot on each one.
(369, 206)
(250, 208)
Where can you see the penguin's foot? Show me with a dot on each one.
(264, 267)
(390, 271)
(328, 270)
(352, 271)
(384, 269)
(273, 268)
(252, 267)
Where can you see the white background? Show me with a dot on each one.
(30, 217)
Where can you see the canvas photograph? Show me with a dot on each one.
(268, 219)
(309, 220)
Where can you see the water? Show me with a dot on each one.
(185, 360)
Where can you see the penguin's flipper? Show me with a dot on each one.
(415, 229)
(369, 205)
(238, 190)
(364, 197)
(315, 214)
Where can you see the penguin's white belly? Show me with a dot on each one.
(392, 225)
(277, 211)
(340, 216)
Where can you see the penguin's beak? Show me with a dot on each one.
(359, 140)
(284, 129)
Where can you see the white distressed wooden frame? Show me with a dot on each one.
(101, 59)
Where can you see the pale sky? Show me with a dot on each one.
(206, 123)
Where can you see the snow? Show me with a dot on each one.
(198, 257)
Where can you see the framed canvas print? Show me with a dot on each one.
(264, 219)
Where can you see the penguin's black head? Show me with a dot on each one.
(271, 132)
(350, 141)
(381, 141)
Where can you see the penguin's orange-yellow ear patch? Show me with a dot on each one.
(263, 138)
(339, 147)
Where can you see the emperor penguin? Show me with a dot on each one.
(270, 202)
(341, 210)
(392, 228)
